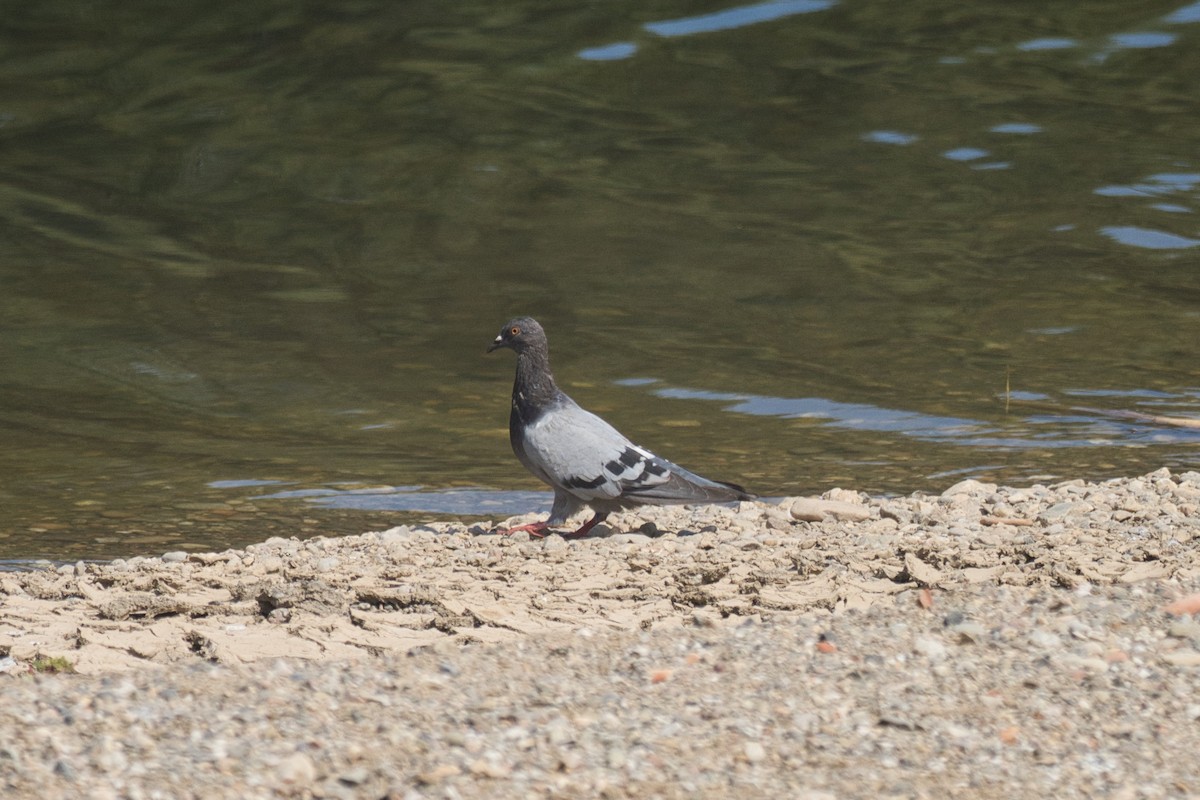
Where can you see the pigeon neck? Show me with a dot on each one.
(534, 388)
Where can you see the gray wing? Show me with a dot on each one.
(580, 453)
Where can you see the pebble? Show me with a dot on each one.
(1184, 629)
(1045, 640)
(297, 770)
(969, 632)
(815, 510)
(437, 774)
(931, 647)
(174, 557)
(692, 649)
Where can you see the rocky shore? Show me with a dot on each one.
(985, 642)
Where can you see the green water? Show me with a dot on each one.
(249, 242)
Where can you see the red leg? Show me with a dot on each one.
(535, 529)
(586, 527)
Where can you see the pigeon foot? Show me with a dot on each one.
(535, 529)
(586, 527)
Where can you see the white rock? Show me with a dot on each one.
(970, 486)
(297, 770)
(931, 647)
(755, 752)
(811, 509)
(1044, 639)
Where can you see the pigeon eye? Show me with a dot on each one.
(514, 330)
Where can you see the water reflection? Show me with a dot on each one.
(1139, 41)
(1135, 236)
(890, 137)
(1189, 13)
(965, 154)
(727, 19)
(1023, 128)
(736, 17)
(1067, 428)
(460, 502)
(1154, 186)
(265, 243)
(609, 52)
(1047, 43)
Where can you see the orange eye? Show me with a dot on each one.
(514, 330)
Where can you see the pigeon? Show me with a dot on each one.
(584, 459)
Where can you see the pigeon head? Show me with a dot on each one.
(520, 334)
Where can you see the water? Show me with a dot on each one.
(253, 254)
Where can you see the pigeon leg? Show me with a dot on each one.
(586, 527)
(535, 529)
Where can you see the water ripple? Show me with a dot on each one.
(1146, 238)
(1189, 13)
(1069, 427)
(889, 137)
(727, 19)
(472, 501)
(736, 17)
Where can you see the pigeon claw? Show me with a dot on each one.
(535, 529)
(585, 528)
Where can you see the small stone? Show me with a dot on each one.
(1183, 659)
(1044, 639)
(270, 564)
(489, 769)
(924, 574)
(174, 557)
(755, 752)
(1189, 605)
(969, 632)
(930, 647)
(297, 770)
(811, 509)
(970, 487)
(1058, 511)
(1184, 629)
(355, 777)
(434, 776)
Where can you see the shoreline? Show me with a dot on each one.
(901, 606)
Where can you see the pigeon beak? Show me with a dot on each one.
(497, 344)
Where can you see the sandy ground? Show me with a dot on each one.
(990, 641)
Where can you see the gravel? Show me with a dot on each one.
(988, 641)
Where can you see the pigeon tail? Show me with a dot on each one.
(684, 486)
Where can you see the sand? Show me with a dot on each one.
(987, 641)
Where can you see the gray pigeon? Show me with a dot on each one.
(584, 459)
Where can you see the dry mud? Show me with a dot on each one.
(990, 641)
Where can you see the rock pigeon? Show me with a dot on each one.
(584, 459)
